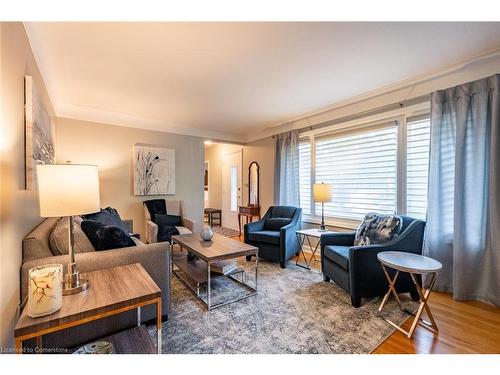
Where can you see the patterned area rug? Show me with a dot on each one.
(228, 232)
(294, 312)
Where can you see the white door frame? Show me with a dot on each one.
(230, 216)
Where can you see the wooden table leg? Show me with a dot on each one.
(19, 346)
(38, 344)
(239, 222)
(158, 324)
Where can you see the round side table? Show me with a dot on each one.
(414, 264)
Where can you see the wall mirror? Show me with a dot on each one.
(253, 184)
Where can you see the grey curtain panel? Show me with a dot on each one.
(286, 177)
(463, 218)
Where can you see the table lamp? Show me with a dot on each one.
(322, 193)
(68, 190)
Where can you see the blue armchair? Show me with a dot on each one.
(274, 234)
(357, 270)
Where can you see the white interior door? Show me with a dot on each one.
(231, 189)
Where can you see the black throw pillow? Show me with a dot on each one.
(165, 232)
(276, 223)
(170, 220)
(106, 237)
(156, 207)
(107, 216)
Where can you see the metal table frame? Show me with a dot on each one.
(301, 238)
(208, 302)
(423, 293)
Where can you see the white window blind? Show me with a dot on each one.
(417, 168)
(362, 167)
(305, 176)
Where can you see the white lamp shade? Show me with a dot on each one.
(67, 189)
(322, 193)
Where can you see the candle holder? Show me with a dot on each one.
(45, 289)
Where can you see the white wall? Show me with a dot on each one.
(110, 147)
(261, 151)
(413, 88)
(18, 207)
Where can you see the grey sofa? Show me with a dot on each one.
(154, 258)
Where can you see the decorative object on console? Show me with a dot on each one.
(39, 133)
(377, 229)
(322, 193)
(68, 190)
(154, 170)
(106, 237)
(45, 290)
(207, 233)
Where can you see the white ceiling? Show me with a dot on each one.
(231, 80)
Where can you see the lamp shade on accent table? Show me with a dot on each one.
(322, 193)
(67, 190)
(45, 290)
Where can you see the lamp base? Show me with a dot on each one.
(74, 284)
(322, 228)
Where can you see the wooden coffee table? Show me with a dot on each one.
(111, 291)
(208, 252)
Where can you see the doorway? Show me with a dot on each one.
(231, 188)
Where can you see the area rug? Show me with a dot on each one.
(294, 312)
(228, 232)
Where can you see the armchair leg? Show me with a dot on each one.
(283, 265)
(326, 278)
(249, 258)
(356, 301)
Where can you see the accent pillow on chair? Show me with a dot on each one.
(106, 237)
(377, 229)
(276, 223)
(169, 220)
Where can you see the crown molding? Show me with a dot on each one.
(101, 116)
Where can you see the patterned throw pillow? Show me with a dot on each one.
(377, 229)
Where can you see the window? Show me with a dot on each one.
(362, 168)
(417, 167)
(234, 189)
(305, 176)
(366, 168)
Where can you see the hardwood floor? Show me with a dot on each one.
(464, 327)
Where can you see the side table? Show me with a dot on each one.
(304, 235)
(111, 291)
(414, 264)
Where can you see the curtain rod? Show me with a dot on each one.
(369, 112)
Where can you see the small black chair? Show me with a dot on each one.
(357, 270)
(274, 234)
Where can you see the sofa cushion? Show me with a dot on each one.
(106, 237)
(156, 207)
(265, 236)
(59, 240)
(165, 219)
(276, 223)
(107, 216)
(377, 229)
(283, 211)
(338, 255)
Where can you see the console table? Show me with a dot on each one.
(111, 291)
(249, 212)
